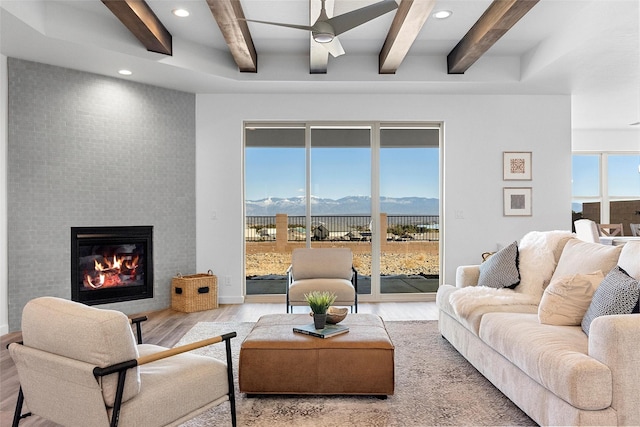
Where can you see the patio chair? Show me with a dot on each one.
(80, 366)
(322, 269)
(587, 230)
(635, 230)
(610, 230)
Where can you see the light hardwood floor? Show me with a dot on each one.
(166, 327)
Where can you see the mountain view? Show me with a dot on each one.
(350, 205)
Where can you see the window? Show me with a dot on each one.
(606, 188)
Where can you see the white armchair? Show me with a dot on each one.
(587, 230)
(322, 269)
(80, 366)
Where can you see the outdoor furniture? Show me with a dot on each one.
(276, 360)
(587, 230)
(322, 269)
(635, 230)
(610, 230)
(80, 366)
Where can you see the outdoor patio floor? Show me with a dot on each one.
(266, 285)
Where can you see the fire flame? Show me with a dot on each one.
(109, 274)
(89, 281)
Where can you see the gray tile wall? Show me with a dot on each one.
(90, 150)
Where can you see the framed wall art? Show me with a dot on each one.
(517, 201)
(516, 165)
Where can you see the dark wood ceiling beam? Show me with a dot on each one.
(138, 17)
(499, 18)
(230, 18)
(410, 17)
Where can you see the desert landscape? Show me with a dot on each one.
(410, 263)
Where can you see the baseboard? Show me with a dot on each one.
(231, 300)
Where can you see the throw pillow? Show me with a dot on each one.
(538, 255)
(501, 269)
(617, 294)
(565, 301)
(580, 257)
(629, 259)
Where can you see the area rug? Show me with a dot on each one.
(434, 386)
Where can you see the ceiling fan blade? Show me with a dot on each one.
(279, 24)
(350, 20)
(334, 47)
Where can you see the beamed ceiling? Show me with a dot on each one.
(410, 17)
(588, 49)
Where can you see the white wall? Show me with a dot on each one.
(607, 140)
(478, 128)
(4, 257)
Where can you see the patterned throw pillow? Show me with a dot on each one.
(617, 294)
(501, 269)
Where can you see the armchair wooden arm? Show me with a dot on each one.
(121, 369)
(184, 348)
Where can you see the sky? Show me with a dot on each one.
(623, 175)
(404, 172)
(340, 172)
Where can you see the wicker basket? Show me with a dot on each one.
(196, 292)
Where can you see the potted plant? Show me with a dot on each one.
(319, 302)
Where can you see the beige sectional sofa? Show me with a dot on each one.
(525, 340)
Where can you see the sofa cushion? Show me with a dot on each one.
(501, 269)
(629, 259)
(539, 253)
(617, 294)
(580, 257)
(469, 304)
(187, 380)
(342, 288)
(556, 357)
(565, 301)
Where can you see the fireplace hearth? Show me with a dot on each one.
(111, 264)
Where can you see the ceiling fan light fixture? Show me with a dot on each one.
(442, 14)
(323, 37)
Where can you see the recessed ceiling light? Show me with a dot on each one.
(442, 14)
(125, 72)
(182, 13)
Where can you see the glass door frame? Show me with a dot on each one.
(375, 127)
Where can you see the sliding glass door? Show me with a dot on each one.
(275, 204)
(371, 187)
(340, 193)
(410, 209)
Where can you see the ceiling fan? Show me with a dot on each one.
(325, 29)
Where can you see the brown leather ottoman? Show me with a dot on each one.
(275, 360)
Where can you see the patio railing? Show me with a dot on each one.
(342, 227)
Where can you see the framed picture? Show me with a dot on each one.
(517, 201)
(516, 165)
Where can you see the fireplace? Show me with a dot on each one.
(111, 264)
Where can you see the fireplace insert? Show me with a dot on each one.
(111, 264)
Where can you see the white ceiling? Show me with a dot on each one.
(587, 48)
